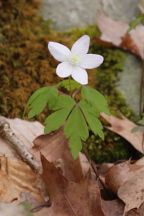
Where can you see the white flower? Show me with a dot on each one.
(76, 60)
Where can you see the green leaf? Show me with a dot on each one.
(69, 85)
(76, 125)
(27, 207)
(62, 107)
(95, 99)
(77, 129)
(40, 98)
(76, 145)
(143, 4)
(92, 119)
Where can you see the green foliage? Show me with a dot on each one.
(27, 207)
(96, 99)
(76, 128)
(63, 107)
(69, 84)
(92, 118)
(134, 23)
(91, 30)
(40, 98)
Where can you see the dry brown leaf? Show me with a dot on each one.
(132, 191)
(126, 180)
(117, 175)
(122, 172)
(136, 212)
(54, 147)
(8, 191)
(71, 198)
(123, 127)
(16, 177)
(115, 32)
(112, 207)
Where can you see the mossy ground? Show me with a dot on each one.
(26, 65)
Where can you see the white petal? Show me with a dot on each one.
(64, 69)
(81, 46)
(59, 51)
(80, 75)
(90, 61)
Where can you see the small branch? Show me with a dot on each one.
(18, 145)
(39, 207)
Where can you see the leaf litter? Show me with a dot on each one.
(72, 186)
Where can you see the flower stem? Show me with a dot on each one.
(70, 86)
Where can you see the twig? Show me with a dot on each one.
(39, 207)
(18, 145)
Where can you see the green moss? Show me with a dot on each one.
(91, 30)
(25, 62)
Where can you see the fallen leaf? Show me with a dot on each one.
(112, 207)
(115, 32)
(16, 177)
(126, 180)
(132, 191)
(70, 198)
(123, 127)
(137, 212)
(54, 147)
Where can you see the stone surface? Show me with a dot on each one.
(123, 10)
(129, 84)
(67, 14)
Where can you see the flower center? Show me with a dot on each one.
(74, 59)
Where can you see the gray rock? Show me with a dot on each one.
(122, 10)
(129, 84)
(68, 14)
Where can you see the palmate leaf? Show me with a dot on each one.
(92, 119)
(40, 98)
(69, 84)
(62, 109)
(95, 99)
(77, 129)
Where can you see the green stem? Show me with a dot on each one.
(70, 86)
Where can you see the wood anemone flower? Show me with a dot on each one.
(76, 60)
